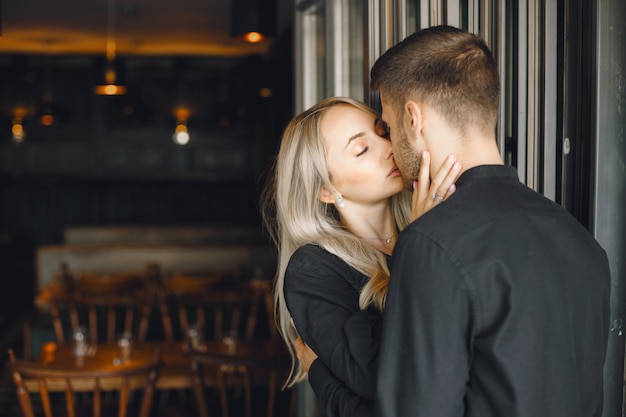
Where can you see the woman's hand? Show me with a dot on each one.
(305, 355)
(427, 193)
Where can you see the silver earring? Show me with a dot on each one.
(339, 201)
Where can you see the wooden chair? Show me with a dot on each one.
(217, 307)
(104, 317)
(122, 380)
(116, 303)
(106, 304)
(241, 314)
(264, 365)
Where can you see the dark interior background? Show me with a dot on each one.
(111, 160)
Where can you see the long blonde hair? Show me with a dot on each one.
(295, 216)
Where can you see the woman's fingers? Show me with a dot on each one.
(442, 185)
(427, 193)
(300, 343)
(305, 355)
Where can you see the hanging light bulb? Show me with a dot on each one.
(110, 88)
(18, 134)
(253, 37)
(253, 21)
(47, 117)
(46, 114)
(181, 133)
(17, 130)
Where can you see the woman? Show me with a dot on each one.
(334, 206)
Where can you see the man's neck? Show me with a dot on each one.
(472, 147)
(476, 152)
(471, 150)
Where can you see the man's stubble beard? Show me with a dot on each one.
(408, 161)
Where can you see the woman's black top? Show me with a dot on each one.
(322, 295)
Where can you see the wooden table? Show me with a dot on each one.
(259, 353)
(175, 372)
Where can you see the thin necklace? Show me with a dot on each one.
(384, 239)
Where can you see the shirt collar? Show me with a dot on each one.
(488, 173)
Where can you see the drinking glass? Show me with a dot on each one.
(194, 333)
(80, 342)
(230, 341)
(125, 346)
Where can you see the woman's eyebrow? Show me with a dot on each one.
(353, 137)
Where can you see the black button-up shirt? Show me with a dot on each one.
(498, 306)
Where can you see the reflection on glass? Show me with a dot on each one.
(311, 55)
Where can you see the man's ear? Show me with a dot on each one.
(326, 196)
(413, 117)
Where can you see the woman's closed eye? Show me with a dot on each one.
(362, 152)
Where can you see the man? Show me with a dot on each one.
(498, 302)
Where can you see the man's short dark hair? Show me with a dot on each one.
(445, 67)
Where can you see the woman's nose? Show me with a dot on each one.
(387, 149)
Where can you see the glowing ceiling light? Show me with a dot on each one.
(253, 37)
(110, 88)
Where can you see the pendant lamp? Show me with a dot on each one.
(46, 114)
(252, 20)
(110, 88)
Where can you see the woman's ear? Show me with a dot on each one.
(326, 196)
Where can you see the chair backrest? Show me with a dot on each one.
(121, 379)
(243, 311)
(115, 303)
(265, 365)
(217, 308)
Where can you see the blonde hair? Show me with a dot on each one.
(295, 216)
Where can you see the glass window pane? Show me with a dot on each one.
(311, 55)
(358, 70)
(412, 17)
(319, 16)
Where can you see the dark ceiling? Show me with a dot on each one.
(141, 27)
(171, 56)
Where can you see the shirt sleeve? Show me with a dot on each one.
(337, 399)
(323, 302)
(425, 353)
